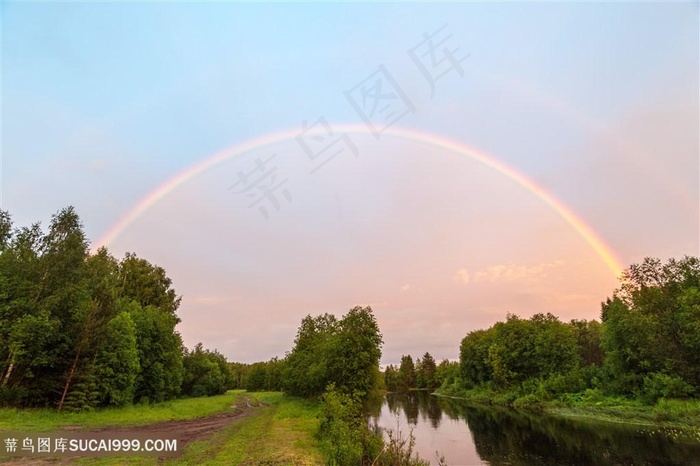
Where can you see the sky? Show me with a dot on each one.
(446, 164)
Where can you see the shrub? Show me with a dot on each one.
(528, 402)
(572, 382)
(660, 385)
(339, 430)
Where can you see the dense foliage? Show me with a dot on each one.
(646, 347)
(328, 351)
(424, 374)
(81, 330)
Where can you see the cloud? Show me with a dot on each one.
(211, 299)
(463, 276)
(405, 287)
(507, 273)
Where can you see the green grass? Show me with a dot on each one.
(40, 420)
(280, 432)
(669, 413)
(593, 405)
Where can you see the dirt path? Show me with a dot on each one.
(185, 431)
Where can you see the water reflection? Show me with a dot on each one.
(471, 435)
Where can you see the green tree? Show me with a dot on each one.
(160, 354)
(147, 284)
(651, 325)
(407, 372)
(588, 334)
(426, 374)
(117, 362)
(206, 373)
(446, 373)
(391, 378)
(307, 370)
(511, 352)
(474, 357)
(239, 374)
(257, 377)
(344, 352)
(41, 314)
(357, 352)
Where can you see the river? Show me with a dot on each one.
(468, 434)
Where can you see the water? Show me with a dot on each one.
(476, 435)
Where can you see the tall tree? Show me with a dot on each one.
(117, 362)
(147, 284)
(407, 372)
(428, 369)
(160, 354)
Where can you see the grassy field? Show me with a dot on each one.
(279, 432)
(39, 420)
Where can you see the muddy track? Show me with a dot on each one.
(185, 431)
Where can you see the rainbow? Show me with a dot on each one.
(606, 254)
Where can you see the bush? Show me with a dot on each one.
(572, 382)
(528, 402)
(660, 385)
(12, 396)
(593, 395)
(340, 442)
(398, 451)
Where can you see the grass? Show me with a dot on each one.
(683, 414)
(281, 432)
(676, 413)
(40, 420)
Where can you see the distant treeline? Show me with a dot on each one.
(646, 347)
(423, 374)
(81, 330)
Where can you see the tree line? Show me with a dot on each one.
(646, 346)
(81, 330)
(424, 374)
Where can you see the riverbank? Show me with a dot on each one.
(681, 414)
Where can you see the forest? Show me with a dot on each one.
(80, 331)
(646, 346)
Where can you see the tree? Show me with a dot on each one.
(651, 325)
(117, 362)
(588, 334)
(407, 372)
(446, 373)
(358, 351)
(257, 377)
(239, 374)
(205, 372)
(391, 378)
(160, 354)
(92, 318)
(344, 352)
(147, 284)
(511, 352)
(307, 369)
(5, 229)
(42, 309)
(474, 357)
(426, 373)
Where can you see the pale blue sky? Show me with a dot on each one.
(598, 103)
